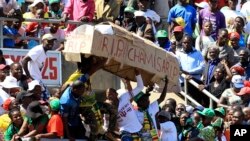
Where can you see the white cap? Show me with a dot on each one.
(48, 36)
(202, 4)
(32, 84)
(35, 2)
(139, 14)
(10, 82)
(238, 81)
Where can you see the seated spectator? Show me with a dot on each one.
(55, 10)
(9, 87)
(36, 5)
(162, 39)
(4, 71)
(15, 125)
(35, 121)
(10, 8)
(35, 88)
(24, 99)
(16, 70)
(168, 129)
(58, 33)
(129, 21)
(11, 32)
(55, 124)
(144, 26)
(202, 41)
(106, 10)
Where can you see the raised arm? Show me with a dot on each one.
(140, 84)
(164, 91)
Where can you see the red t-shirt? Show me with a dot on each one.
(55, 125)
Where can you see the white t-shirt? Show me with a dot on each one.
(152, 110)
(3, 97)
(38, 57)
(59, 35)
(168, 131)
(245, 10)
(127, 119)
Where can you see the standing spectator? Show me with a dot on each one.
(78, 10)
(107, 10)
(214, 15)
(244, 63)
(176, 39)
(162, 39)
(187, 12)
(34, 61)
(70, 102)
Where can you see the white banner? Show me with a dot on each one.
(52, 68)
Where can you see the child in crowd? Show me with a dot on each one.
(55, 124)
(15, 125)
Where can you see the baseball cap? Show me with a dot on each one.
(244, 91)
(198, 108)
(54, 104)
(218, 122)
(220, 110)
(234, 35)
(10, 82)
(238, 81)
(161, 34)
(180, 21)
(139, 14)
(2, 66)
(202, 4)
(7, 103)
(32, 84)
(178, 29)
(165, 114)
(207, 112)
(53, 1)
(129, 9)
(48, 36)
(139, 96)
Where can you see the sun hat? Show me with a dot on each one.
(129, 9)
(35, 2)
(34, 110)
(48, 36)
(220, 110)
(161, 34)
(7, 102)
(207, 112)
(3, 66)
(54, 104)
(10, 82)
(32, 84)
(178, 29)
(139, 96)
(53, 1)
(244, 91)
(238, 81)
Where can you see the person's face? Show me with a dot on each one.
(3, 74)
(17, 24)
(218, 74)
(55, 7)
(234, 41)
(237, 118)
(128, 15)
(183, 119)
(140, 20)
(230, 115)
(54, 27)
(143, 102)
(208, 27)
(17, 71)
(111, 95)
(205, 120)
(48, 44)
(223, 37)
(213, 53)
(79, 91)
(232, 3)
(179, 110)
(143, 4)
(234, 72)
(37, 91)
(16, 118)
(162, 41)
(187, 45)
(27, 100)
(196, 117)
(213, 4)
(13, 104)
(39, 6)
(40, 13)
(243, 56)
(238, 23)
(246, 114)
(13, 91)
(178, 35)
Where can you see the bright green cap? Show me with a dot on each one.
(129, 9)
(54, 1)
(218, 122)
(139, 95)
(161, 34)
(207, 112)
(220, 110)
(55, 104)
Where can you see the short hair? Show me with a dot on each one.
(12, 111)
(77, 84)
(223, 29)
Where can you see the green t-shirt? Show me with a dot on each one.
(34, 124)
(11, 130)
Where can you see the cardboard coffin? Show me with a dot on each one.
(125, 52)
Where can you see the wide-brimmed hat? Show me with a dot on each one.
(34, 110)
(10, 82)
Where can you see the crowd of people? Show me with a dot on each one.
(209, 38)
